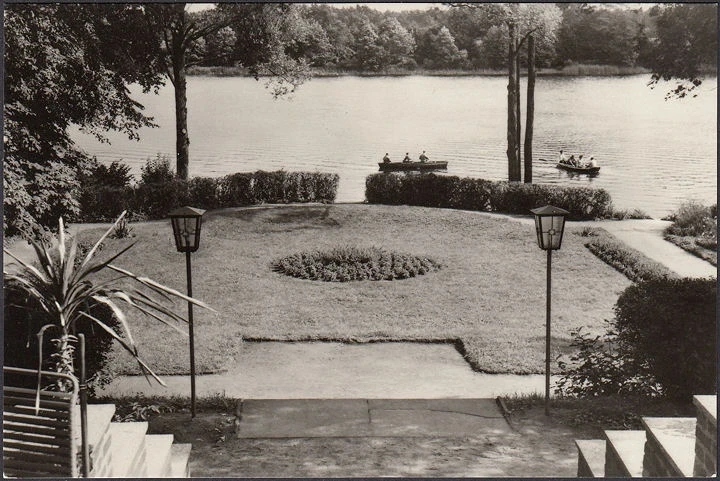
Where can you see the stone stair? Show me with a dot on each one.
(125, 450)
(666, 447)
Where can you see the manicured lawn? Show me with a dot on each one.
(489, 293)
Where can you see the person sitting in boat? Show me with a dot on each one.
(423, 157)
(580, 162)
(407, 157)
(563, 159)
(571, 160)
(386, 159)
(592, 162)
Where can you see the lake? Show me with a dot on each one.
(654, 153)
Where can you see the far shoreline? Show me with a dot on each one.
(569, 71)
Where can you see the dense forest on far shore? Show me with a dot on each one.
(590, 40)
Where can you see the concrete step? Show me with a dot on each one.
(158, 454)
(705, 436)
(591, 458)
(99, 417)
(127, 449)
(179, 462)
(624, 454)
(706, 404)
(670, 450)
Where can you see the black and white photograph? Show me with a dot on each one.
(359, 240)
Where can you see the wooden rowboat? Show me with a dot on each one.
(579, 170)
(411, 166)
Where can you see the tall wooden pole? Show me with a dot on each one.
(512, 140)
(530, 110)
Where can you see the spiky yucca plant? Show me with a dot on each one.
(65, 288)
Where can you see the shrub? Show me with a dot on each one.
(603, 366)
(203, 192)
(433, 190)
(662, 341)
(634, 264)
(157, 170)
(235, 190)
(671, 324)
(354, 264)
(157, 200)
(269, 187)
(102, 203)
(694, 219)
(115, 175)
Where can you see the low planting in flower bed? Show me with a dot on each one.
(345, 264)
(633, 263)
(431, 190)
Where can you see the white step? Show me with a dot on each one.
(591, 458)
(675, 440)
(624, 453)
(127, 449)
(705, 436)
(708, 404)
(158, 454)
(180, 458)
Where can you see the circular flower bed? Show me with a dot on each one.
(354, 264)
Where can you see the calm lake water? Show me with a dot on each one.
(654, 153)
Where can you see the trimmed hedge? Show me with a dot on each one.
(672, 325)
(431, 190)
(634, 264)
(100, 203)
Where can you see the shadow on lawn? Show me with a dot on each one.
(291, 217)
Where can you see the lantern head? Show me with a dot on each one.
(549, 225)
(186, 223)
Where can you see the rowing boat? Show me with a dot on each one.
(411, 166)
(579, 170)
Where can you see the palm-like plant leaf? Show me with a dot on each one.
(104, 236)
(64, 291)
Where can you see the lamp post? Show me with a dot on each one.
(186, 223)
(549, 226)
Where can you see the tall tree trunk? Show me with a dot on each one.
(512, 140)
(182, 144)
(530, 110)
(518, 134)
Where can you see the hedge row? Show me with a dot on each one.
(154, 201)
(634, 264)
(430, 190)
(671, 325)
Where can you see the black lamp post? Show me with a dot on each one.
(549, 226)
(186, 223)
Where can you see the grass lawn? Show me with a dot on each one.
(489, 293)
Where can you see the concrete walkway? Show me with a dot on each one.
(356, 418)
(333, 370)
(647, 236)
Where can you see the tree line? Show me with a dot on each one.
(366, 40)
